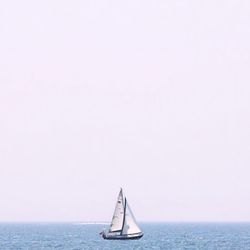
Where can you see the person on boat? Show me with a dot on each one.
(102, 234)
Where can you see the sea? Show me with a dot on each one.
(77, 236)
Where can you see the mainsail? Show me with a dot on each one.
(117, 220)
(129, 226)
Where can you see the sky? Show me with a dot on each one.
(152, 96)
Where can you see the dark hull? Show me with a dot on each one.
(122, 237)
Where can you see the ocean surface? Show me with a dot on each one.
(156, 236)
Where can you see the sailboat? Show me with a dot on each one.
(123, 225)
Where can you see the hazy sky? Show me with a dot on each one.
(153, 96)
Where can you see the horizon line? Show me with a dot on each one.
(107, 222)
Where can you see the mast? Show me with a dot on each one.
(124, 214)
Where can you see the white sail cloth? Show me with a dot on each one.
(117, 220)
(130, 226)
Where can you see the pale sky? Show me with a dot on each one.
(152, 96)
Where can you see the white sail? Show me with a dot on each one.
(130, 226)
(117, 220)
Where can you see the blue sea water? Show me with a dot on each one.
(156, 236)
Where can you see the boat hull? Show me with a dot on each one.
(121, 237)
